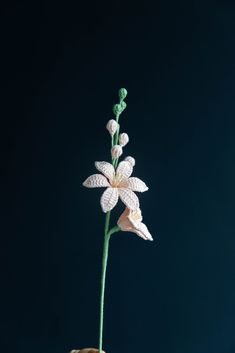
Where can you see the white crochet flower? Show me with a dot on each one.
(118, 184)
(131, 221)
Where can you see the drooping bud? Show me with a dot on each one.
(122, 93)
(131, 160)
(116, 151)
(123, 139)
(112, 126)
(117, 109)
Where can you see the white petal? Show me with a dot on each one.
(129, 198)
(106, 168)
(143, 232)
(96, 181)
(109, 199)
(130, 160)
(124, 169)
(136, 184)
(135, 217)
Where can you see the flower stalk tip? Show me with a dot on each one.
(122, 93)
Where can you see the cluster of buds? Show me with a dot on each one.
(117, 150)
(118, 141)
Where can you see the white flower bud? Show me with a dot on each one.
(123, 139)
(131, 160)
(112, 126)
(116, 151)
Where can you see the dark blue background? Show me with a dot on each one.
(63, 63)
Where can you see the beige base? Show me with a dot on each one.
(85, 350)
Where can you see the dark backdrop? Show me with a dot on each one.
(63, 63)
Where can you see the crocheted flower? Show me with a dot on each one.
(118, 183)
(131, 221)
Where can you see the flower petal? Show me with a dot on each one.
(124, 169)
(96, 181)
(130, 160)
(135, 217)
(129, 198)
(123, 221)
(106, 168)
(135, 184)
(109, 199)
(130, 221)
(143, 232)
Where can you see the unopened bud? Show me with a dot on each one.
(116, 151)
(123, 105)
(122, 93)
(123, 139)
(117, 109)
(112, 126)
(131, 160)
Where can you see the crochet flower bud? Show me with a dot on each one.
(123, 139)
(131, 160)
(122, 93)
(112, 126)
(116, 151)
(117, 109)
(123, 105)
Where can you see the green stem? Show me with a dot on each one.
(107, 234)
(115, 141)
(117, 132)
(114, 230)
(107, 220)
(116, 163)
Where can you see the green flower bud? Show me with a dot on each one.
(123, 105)
(117, 109)
(122, 93)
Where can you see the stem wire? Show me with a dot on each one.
(103, 275)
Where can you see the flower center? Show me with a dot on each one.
(117, 180)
